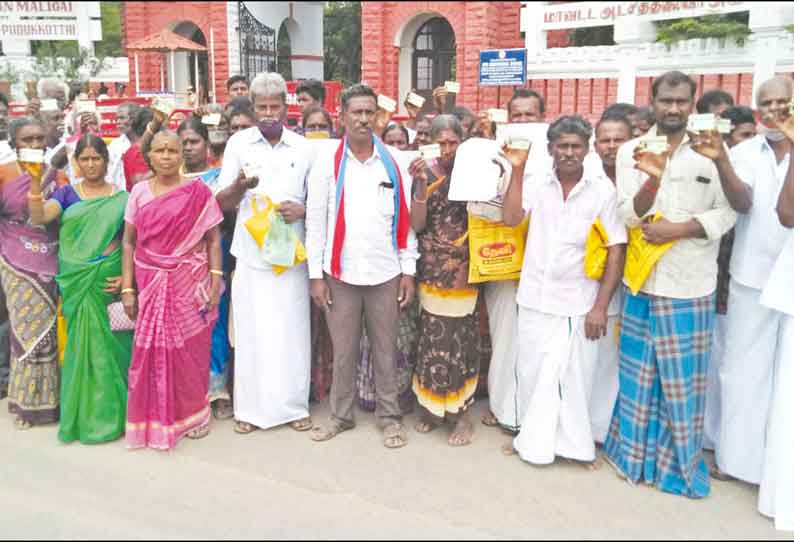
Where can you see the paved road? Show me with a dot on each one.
(279, 484)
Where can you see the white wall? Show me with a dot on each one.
(769, 49)
(305, 27)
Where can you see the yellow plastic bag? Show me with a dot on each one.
(641, 257)
(595, 255)
(259, 222)
(496, 251)
(260, 226)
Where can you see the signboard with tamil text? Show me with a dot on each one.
(503, 67)
(584, 14)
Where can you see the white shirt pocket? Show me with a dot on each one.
(386, 199)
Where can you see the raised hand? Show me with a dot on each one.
(707, 143)
(516, 157)
(649, 162)
(247, 183)
(418, 169)
(440, 98)
(382, 118)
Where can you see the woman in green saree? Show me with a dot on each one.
(96, 360)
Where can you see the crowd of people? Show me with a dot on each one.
(141, 298)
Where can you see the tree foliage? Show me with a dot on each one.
(596, 35)
(284, 53)
(733, 25)
(342, 39)
(111, 30)
(68, 67)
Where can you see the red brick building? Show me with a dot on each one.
(421, 44)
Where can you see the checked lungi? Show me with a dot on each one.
(656, 434)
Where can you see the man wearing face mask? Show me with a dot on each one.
(753, 331)
(562, 312)
(270, 311)
(362, 260)
(680, 202)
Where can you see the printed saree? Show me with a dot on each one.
(169, 373)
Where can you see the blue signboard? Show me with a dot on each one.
(503, 67)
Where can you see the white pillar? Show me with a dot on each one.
(173, 74)
(196, 85)
(212, 66)
(630, 36)
(137, 76)
(83, 11)
(162, 76)
(531, 24)
(767, 22)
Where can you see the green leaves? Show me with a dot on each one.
(342, 39)
(733, 26)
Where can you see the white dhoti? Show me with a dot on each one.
(272, 345)
(712, 416)
(746, 383)
(500, 297)
(556, 364)
(605, 376)
(776, 494)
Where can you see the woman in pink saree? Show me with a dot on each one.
(172, 253)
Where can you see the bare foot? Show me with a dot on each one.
(425, 427)
(489, 420)
(508, 450)
(587, 465)
(463, 433)
(717, 474)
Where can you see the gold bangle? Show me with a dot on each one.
(420, 200)
(35, 197)
(128, 291)
(216, 272)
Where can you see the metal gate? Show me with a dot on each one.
(257, 45)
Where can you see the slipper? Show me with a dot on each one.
(244, 428)
(302, 425)
(717, 474)
(199, 433)
(394, 436)
(321, 434)
(22, 425)
(222, 409)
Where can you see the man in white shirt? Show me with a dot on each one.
(752, 330)
(610, 133)
(362, 259)
(562, 312)
(775, 497)
(121, 144)
(270, 310)
(675, 197)
(525, 106)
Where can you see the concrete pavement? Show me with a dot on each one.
(279, 484)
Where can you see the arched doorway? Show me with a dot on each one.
(185, 63)
(427, 56)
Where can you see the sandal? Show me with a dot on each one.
(321, 434)
(717, 474)
(22, 425)
(394, 436)
(302, 425)
(222, 409)
(199, 433)
(244, 428)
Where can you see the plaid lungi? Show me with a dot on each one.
(657, 426)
